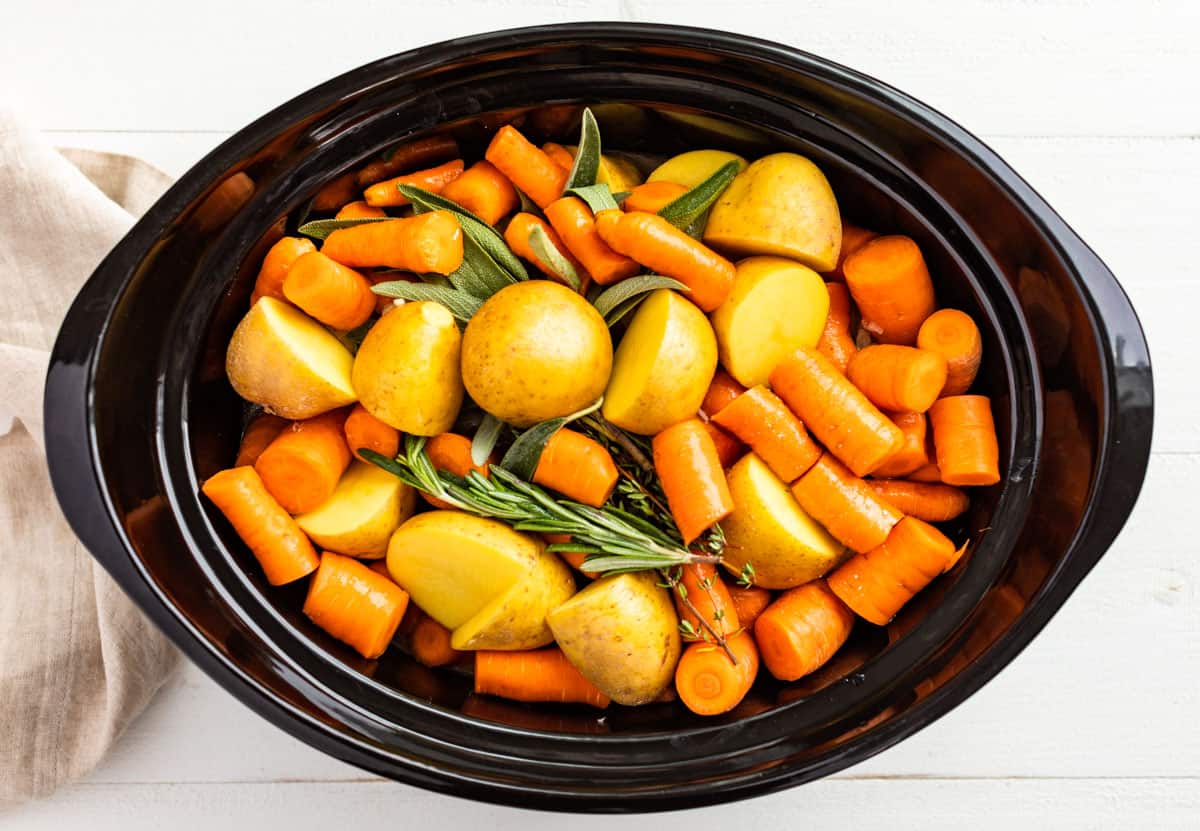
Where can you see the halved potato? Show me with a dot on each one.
(517, 618)
(358, 519)
(693, 167)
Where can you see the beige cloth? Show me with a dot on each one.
(77, 660)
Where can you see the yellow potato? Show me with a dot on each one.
(781, 204)
(618, 172)
(358, 519)
(693, 167)
(406, 371)
(622, 634)
(517, 618)
(772, 532)
(453, 564)
(281, 358)
(663, 365)
(536, 350)
(776, 306)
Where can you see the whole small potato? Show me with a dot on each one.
(536, 350)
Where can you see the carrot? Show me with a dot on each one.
(517, 236)
(430, 643)
(359, 210)
(925, 473)
(387, 194)
(836, 342)
(578, 467)
(890, 284)
(953, 335)
(932, 502)
(259, 433)
(573, 220)
(452, 453)
(355, 604)
(527, 167)
(337, 296)
(729, 447)
(336, 192)
(561, 156)
(301, 467)
(686, 462)
(274, 538)
(484, 190)
(875, 584)
(427, 243)
(964, 438)
(275, 266)
(709, 683)
(652, 197)
(408, 156)
(721, 391)
(364, 430)
(802, 630)
(657, 244)
(534, 676)
(853, 238)
(835, 411)
(704, 589)
(845, 505)
(898, 378)
(914, 453)
(749, 602)
(760, 419)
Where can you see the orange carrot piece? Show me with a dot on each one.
(540, 675)
(360, 210)
(301, 467)
(414, 154)
(485, 191)
(517, 236)
(760, 419)
(452, 453)
(836, 342)
(527, 167)
(356, 605)
(429, 243)
(835, 411)
(890, 284)
(853, 238)
(750, 601)
(259, 433)
(275, 266)
(387, 194)
(898, 378)
(578, 467)
(925, 473)
(709, 683)
(802, 630)
(652, 197)
(932, 502)
(337, 296)
(336, 192)
(274, 538)
(704, 589)
(914, 454)
(692, 478)
(722, 390)
(560, 155)
(364, 430)
(430, 643)
(573, 220)
(845, 505)
(953, 335)
(657, 244)
(877, 583)
(729, 447)
(964, 438)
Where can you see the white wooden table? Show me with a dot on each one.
(1096, 102)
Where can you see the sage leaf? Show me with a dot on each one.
(617, 297)
(355, 336)
(690, 206)
(321, 228)
(522, 457)
(587, 155)
(549, 254)
(598, 197)
(484, 235)
(460, 304)
(485, 438)
(479, 274)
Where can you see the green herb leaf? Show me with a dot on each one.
(460, 304)
(549, 254)
(587, 155)
(522, 458)
(474, 228)
(618, 296)
(598, 197)
(485, 438)
(689, 207)
(479, 274)
(621, 196)
(355, 336)
(321, 228)
(302, 214)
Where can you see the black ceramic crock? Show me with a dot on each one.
(138, 411)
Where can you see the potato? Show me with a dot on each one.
(406, 372)
(536, 350)
(663, 365)
(517, 618)
(772, 532)
(281, 358)
(618, 172)
(622, 633)
(781, 204)
(358, 519)
(693, 167)
(776, 306)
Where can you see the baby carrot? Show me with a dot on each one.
(932, 502)
(898, 378)
(853, 238)
(964, 438)
(664, 249)
(706, 593)
(387, 194)
(259, 433)
(527, 167)
(925, 473)
(430, 643)
(427, 243)
(709, 683)
(275, 265)
(301, 467)
(534, 676)
(336, 192)
(274, 538)
(722, 390)
(452, 453)
(484, 190)
(517, 236)
(356, 605)
(687, 465)
(802, 630)
(749, 602)
(835, 411)
(578, 467)
(414, 154)
(365, 430)
(877, 583)
(914, 453)
(845, 505)
(836, 342)
(573, 220)
(953, 335)
(729, 447)
(890, 284)
(652, 197)
(359, 210)
(760, 419)
(337, 296)
(560, 155)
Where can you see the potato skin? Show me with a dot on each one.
(693, 167)
(517, 620)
